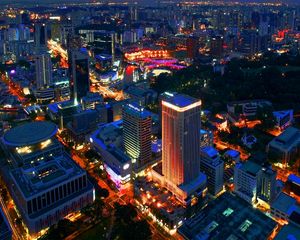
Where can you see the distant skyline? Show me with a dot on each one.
(45, 2)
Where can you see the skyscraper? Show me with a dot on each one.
(43, 70)
(137, 134)
(181, 148)
(79, 75)
(180, 138)
(40, 36)
(267, 185)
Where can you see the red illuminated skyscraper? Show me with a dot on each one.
(181, 124)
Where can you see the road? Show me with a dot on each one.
(106, 92)
(222, 145)
(16, 234)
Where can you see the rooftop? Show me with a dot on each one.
(36, 178)
(294, 179)
(228, 217)
(210, 151)
(30, 133)
(280, 114)
(181, 100)
(136, 110)
(109, 134)
(232, 153)
(251, 168)
(288, 138)
(288, 232)
(284, 203)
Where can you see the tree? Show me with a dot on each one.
(127, 227)
(265, 115)
(104, 193)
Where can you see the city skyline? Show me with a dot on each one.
(149, 120)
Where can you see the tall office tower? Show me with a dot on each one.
(192, 45)
(181, 139)
(79, 75)
(216, 47)
(40, 36)
(113, 48)
(43, 70)
(213, 167)
(137, 125)
(267, 185)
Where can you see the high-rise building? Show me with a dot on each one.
(267, 185)
(216, 46)
(213, 167)
(79, 79)
(40, 36)
(113, 48)
(137, 134)
(181, 124)
(192, 45)
(246, 180)
(43, 70)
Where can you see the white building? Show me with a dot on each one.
(213, 167)
(246, 180)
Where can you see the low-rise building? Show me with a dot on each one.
(228, 217)
(283, 207)
(247, 108)
(284, 119)
(285, 147)
(108, 141)
(44, 182)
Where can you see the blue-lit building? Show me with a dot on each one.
(284, 119)
(108, 141)
(44, 182)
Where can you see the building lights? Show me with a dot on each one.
(126, 166)
(181, 109)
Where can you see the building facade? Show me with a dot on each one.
(79, 75)
(213, 167)
(44, 182)
(181, 125)
(137, 124)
